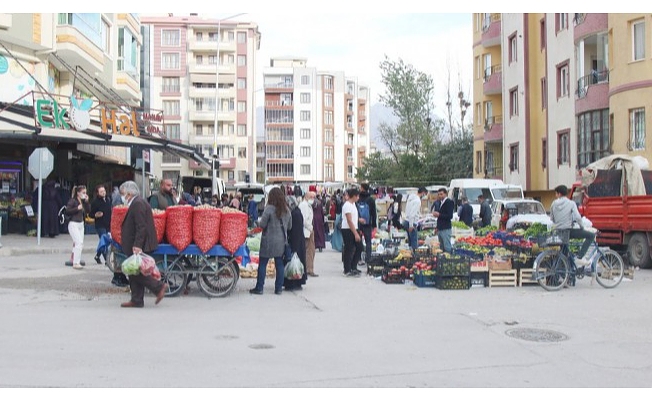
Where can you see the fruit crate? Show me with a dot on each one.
(453, 266)
(392, 279)
(422, 280)
(479, 279)
(503, 278)
(525, 276)
(452, 282)
(375, 270)
(391, 263)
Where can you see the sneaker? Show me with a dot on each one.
(77, 266)
(356, 271)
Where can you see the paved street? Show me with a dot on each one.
(64, 328)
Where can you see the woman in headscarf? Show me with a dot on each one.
(297, 243)
(318, 224)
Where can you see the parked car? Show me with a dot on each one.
(519, 212)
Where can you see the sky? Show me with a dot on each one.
(357, 43)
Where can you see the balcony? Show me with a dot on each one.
(279, 121)
(224, 93)
(227, 163)
(493, 80)
(208, 68)
(491, 30)
(589, 23)
(493, 129)
(76, 49)
(279, 87)
(127, 85)
(592, 92)
(493, 172)
(209, 115)
(278, 104)
(211, 45)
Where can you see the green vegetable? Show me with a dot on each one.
(535, 230)
(459, 225)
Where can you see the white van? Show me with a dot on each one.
(491, 189)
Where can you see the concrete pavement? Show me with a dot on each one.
(16, 245)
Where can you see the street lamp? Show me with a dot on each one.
(216, 162)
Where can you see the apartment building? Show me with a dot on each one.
(316, 124)
(571, 89)
(198, 75)
(56, 55)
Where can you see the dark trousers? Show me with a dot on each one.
(351, 252)
(582, 234)
(262, 273)
(366, 232)
(138, 283)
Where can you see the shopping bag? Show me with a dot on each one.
(141, 264)
(294, 270)
(131, 265)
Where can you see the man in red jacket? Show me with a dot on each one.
(139, 236)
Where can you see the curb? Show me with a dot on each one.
(25, 251)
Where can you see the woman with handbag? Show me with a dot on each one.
(276, 221)
(76, 210)
(297, 245)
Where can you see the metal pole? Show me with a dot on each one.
(217, 104)
(40, 199)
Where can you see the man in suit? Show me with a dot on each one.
(139, 236)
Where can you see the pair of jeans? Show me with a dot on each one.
(76, 230)
(445, 240)
(352, 251)
(262, 272)
(413, 235)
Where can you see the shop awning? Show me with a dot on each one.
(17, 123)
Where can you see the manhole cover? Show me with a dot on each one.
(226, 337)
(261, 346)
(536, 335)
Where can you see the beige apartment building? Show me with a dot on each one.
(554, 92)
(191, 70)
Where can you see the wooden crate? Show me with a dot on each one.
(629, 273)
(503, 278)
(525, 276)
(499, 265)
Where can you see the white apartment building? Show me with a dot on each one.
(192, 70)
(316, 124)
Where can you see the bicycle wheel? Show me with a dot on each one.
(610, 269)
(551, 270)
(217, 277)
(175, 276)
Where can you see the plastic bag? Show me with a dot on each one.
(294, 269)
(141, 264)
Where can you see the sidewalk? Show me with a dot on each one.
(20, 245)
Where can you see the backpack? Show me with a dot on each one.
(363, 211)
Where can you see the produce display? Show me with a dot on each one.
(178, 226)
(459, 225)
(486, 230)
(535, 230)
(452, 265)
(160, 218)
(118, 215)
(206, 221)
(452, 282)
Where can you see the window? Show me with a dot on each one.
(242, 61)
(242, 83)
(171, 108)
(305, 98)
(128, 51)
(230, 60)
(512, 49)
(487, 67)
(490, 168)
(231, 129)
(478, 68)
(489, 113)
(230, 36)
(242, 130)
(544, 93)
(328, 82)
(544, 153)
(305, 151)
(171, 85)
(328, 153)
(513, 102)
(561, 22)
(305, 169)
(329, 136)
(542, 32)
(638, 40)
(513, 157)
(478, 162)
(106, 37)
(173, 131)
(637, 129)
(170, 37)
(231, 175)
(478, 113)
(242, 37)
(212, 60)
(199, 36)
(563, 147)
(171, 61)
(305, 80)
(171, 159)
(563, 80)
(212, 36)
(305, 115)
(242, 106)
(330, 171)
(328, 100)
(593, 136)
(242, 152)
(328, 117)
(305, 134)
(199, 130)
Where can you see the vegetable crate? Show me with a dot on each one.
(525, 276)
(479, 274)
(499, 264)
(390, 278)
(453, 266)
(503, 278)
(374, 270)
(422, 280)
(452, 282)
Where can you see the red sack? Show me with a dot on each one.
(178, 226)
(206, 227)
(233, 229)
(118, 214)
(159, 223)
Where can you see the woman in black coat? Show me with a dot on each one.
(297, 243)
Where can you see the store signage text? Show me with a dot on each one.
(122, 124)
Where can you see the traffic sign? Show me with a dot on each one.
(41, 163)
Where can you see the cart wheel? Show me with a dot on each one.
(217, 277)
(174, 275)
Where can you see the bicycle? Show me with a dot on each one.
(555, 267)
